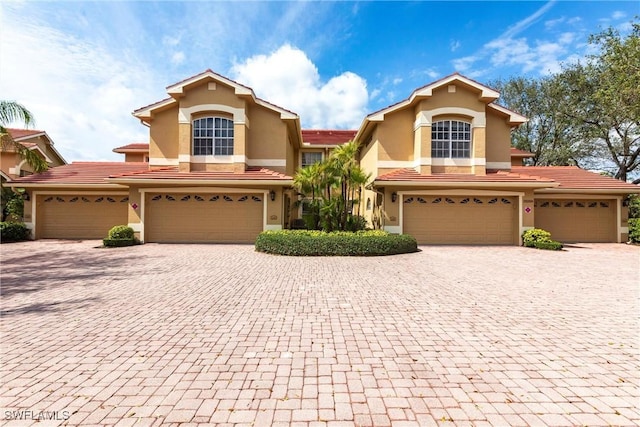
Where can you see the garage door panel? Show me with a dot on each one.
(215, 218)
(577, 220)
(79, 216)
(460, 220)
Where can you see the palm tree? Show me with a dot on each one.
(10, 112)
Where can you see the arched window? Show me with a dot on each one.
(212, 136)
(451, 139)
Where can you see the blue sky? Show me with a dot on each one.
(83, 67)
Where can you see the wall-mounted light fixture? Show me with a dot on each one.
(394, 197)
(272, 195)
(26, 197)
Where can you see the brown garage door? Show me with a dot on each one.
(212, 218)
(568, 220)
(460, 220)
(79, 216)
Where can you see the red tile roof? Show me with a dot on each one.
(571, 177)
(23, 133)
(82, 173)
(515, 152)
(327, 137)
(135, 147)
(491, 176)
(251, 173)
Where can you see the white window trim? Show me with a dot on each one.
(322, 155)
(450, 140)
(213, 147)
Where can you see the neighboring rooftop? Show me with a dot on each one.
(327, 137)
(24, 133)
(491, 176)
(172, 173)
(516, 152)
(136, 147)
(575, 178)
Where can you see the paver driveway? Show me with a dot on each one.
(169, 334)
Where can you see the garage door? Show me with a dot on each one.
(214, 218)
(587, 220)
(460, 220)
(79, 216)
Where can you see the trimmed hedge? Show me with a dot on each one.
(337, 243)
(119, 236)
(540, 239)
(634, 230)
(551, 245)
(14, 232)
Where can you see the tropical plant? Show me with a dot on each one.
(10, 112)
(333, 188)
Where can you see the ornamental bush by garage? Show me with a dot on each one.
(540, 239)
(13, 232)
(337, 243)
(120, 235)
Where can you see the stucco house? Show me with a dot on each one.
(220, 162)
(12, 165)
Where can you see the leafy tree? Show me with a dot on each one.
(602, 101)
(548, 133)
(10, 112)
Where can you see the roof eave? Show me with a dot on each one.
(156, 181)
(458, 184)
(591, 190)
(106, 186)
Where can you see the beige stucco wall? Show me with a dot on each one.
(163, 136)
(395, 136)
(463, 97)
(135, 157)
(202, 94)
(498, 138)
(268, 136)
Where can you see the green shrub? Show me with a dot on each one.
(634, 206)
(530, 237)
(634, 230)
(118, 243)
(551, 245)
(119, 236)
(121, 232)
(340, 243)
(14, 232)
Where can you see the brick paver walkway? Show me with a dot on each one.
(187, 334)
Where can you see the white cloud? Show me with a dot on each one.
(397, 81)
(288, 78)
(79, 93)
(618, 15)
(454, 45)
(178, 58)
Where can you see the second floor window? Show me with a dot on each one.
(451, 139)
(212, 136)
(310, 157)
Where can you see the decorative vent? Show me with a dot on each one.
(170, 197)
(84, 199)
(198, 198)
(593, 204)
(580, 204)
(99, 200)
(464, 201)
(437, 200)
(214, 198)
(505, 201)
(111, 200)
(156, 198)
(185, 198)
(448, 200)
(60, 199)
(421, 200)
(408, 200)
(48, 199)
(73, 200)
(544, 205)
(243, 199)
(256, 199)
(568, 205)
(227, 198)
(124, 199)
(477, 201)
(604, 204)
(555, 204)
(494, 200)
